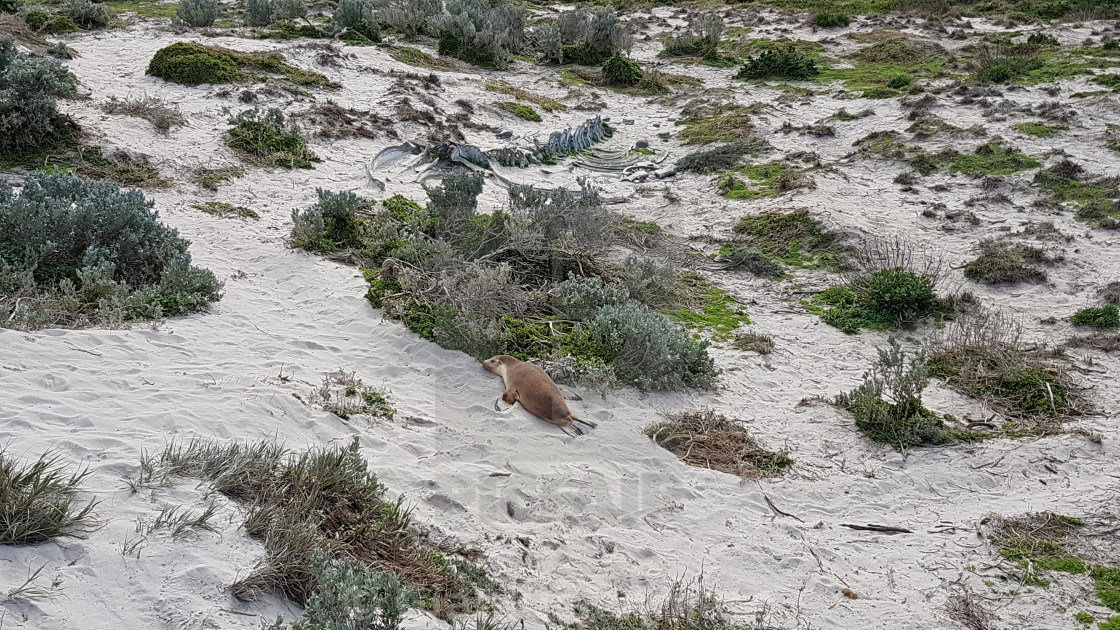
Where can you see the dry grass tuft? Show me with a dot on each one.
(759, 343)
(966, 609)
(153, 109)
(710, 440)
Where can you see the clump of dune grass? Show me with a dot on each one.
(40, 501)
(345, 395)
(711, 440)
(161, 114)
(757, 342)
(322, 504)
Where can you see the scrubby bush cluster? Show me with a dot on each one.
(85, 13)
(480, 33)
(1107, 316)
(266, 12)
(824, 19)
(195, 64)
(1008, 262)
(621, 72)
(79, 253)
(778, 63)
(700, 40)
(720, 158)
(29, 89)
(265, 137)
(581, 37)
(197, 13)
(528, 280)
(888, 407)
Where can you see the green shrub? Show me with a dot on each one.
(194, 64)
(1042, 39)
(80, 248)
(720, 158)
(1005, 64)
(332, 224)
(348, 596)
(85, 13)
(197, 13)
(359, 16)
(888, 407)
(778, 63)
(700, 40)
(39, 501)
(1003, 262)
(620, 71)
(897, 295)
(525, 112)
(10, 6)
(1103, 317)
(479, 32)
(29, 89)
(266, 12)
(831, 20)
(899, 81)
(1014, 383)
(264, 137)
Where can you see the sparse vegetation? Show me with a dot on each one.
(163, 116)
(888, 407)
(795, 238)
(223, 209)
(40, 501)
(1034, 542)
(754, 342)
(1067, 183)
(761, 180)
(720, 123)
(76, 253)
(545, 103)
(722, 157)
(620, 71)
(210, 178)
(264, 137)
(345, 395)
(1040, 129)
(480, 33)
(825, 19)
(711, 440)
(701, 39)
(1008, 262)
(325, 523)
(525, 112)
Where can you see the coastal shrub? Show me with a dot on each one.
(40, 501)
(701, 39)
(778, 63)
(525, 112)
(266, 138)
(332, 224)
(29, 89)
(480, 33)
(197, 13)
(887, 407)
(359, 16)
(720, 158)
(587, 38)
(348, 595)
(10, 6)
(1103, 317)
(73, 251)
(161, 114)
(620, 71)
(85, 13)
(195, 64)
(824, 19)
(411, 17)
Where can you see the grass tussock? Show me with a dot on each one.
(720, 123)
(162, 115)
(778, 63)
(980, 356)
(755, 342)
(1008, 262)
(41, 501)
(522, 111)
(722, 157)
(1103, 317)
(223, 209)
(711, 440)
(211, 178)
(314, 510)
(266, 138)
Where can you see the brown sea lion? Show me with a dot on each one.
(529, 385)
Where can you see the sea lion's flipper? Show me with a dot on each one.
(509, 397)
(586, 422)
(572, 430)
(496, 407)
(572, 396)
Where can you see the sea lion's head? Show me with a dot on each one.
(496, 364)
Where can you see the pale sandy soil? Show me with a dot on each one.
(606, 516)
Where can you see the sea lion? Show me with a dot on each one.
(529, 385)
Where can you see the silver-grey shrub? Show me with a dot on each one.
(85, 14)
(29, 88)
(288, 10)
(351, 597)
(72, 245)
(197, 13)
(410, 17)
(358, 15)
(258, 12)
(486, 34)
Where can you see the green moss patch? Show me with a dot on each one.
(1040, 129)
(1103, 317)
(195, 64)
(524, 112)
(794, 238)
(721, 123)
(713, 310)
(1067, 184)
(421, 59)
(759, 181)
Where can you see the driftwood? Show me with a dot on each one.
(886, 529)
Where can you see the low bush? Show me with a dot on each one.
(480, 33)
(195, 64)
(779, 63)
(266, 12)
(40, 501)
(1005, 262)
(888, 407)
(620, 71)
(333, 542)
(831, 20)
(582, 37)
(525, 281)
(1005, 64)
(155, 110)
(359, 16)
(700, 40)
(44, 22)
(266, 138)
(889, 285)
(197, 13)
(795, 238)
(77, 253)
(899, 81)
(707, 439)
(85, 13)
(10, 6)
(720, 158)
(1102, 317)
(718, 123)
(525, 112)
(29, 117)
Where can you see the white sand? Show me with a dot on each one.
(598, 517)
